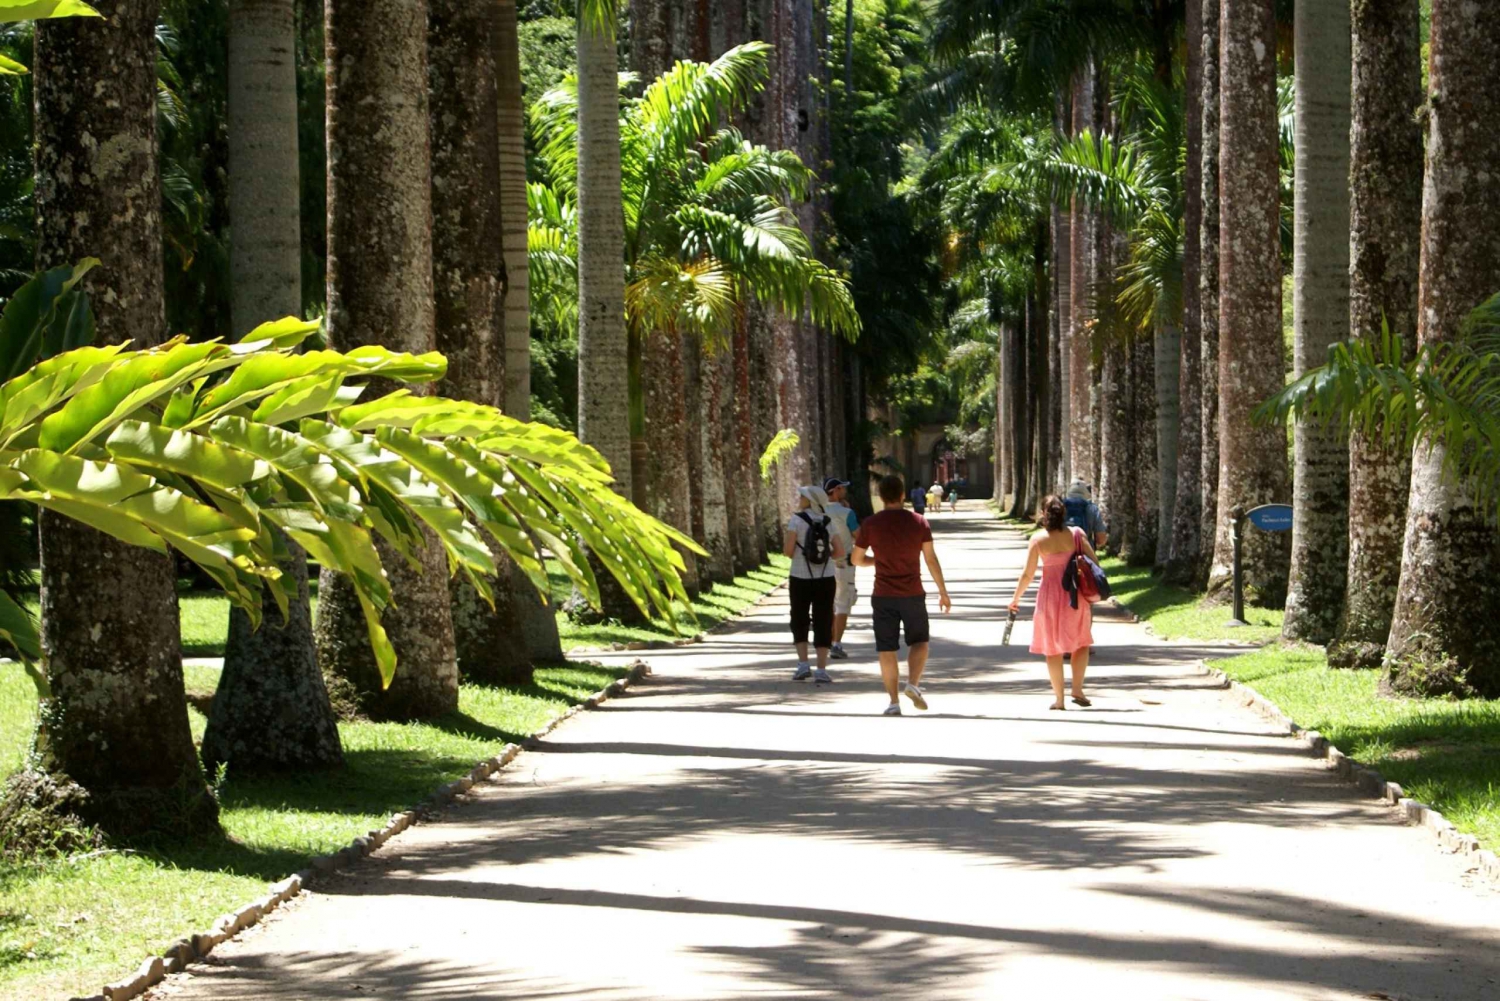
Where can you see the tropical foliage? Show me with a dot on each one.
(210, 448)
(707, 217)
(1447, 396)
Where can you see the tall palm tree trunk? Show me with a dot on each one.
(538, 620)
(1183, 544)
(603, 388)
(660, 447)
(1018, 429)
(1062, 240)
(1445, 634)
(604, 355)
(1320, 499)
(716, 413)
(1208, 296)
(1144, 428)
(1116, 487)
(380, 292)
(1252, 468)
(1004, 459)
(749, 542)
(1083, 264)
(1167, 371)
(115, 721)
(1385, 219)
(271, 710)
(1040, 336)
(469, 290)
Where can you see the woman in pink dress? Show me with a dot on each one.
(1057, 627)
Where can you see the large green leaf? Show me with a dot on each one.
(9, 67)
(125, 388)
(18, 628)
(37, 10)
(32, 311)
(379, 466)
(265, 373)
(193, 455)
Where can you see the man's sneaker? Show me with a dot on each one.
(804, 672)
(838, 652)
(915, 694)
(821, 677)
(894, 709)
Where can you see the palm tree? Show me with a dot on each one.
(1385, 216)
(1082, 259)
(109, 611)
(271, 709)
(1208, 297)
(1320, 500)
(1183, 544)
(537, 620)
(380, 291)
(603, 383)
(468, 285)
(1445, 631)
(707, 224)
(1252, 467)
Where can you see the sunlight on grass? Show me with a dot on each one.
(1443, 752)
(724, 602)
(67, 926)
(1176, 613)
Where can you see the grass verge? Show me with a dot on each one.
(1177, 613)
(1443, 752)
(69, 925)
(724, 602)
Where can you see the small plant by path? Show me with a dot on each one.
(1443, 752)
(69, 924)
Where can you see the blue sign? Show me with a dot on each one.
(1271, 517)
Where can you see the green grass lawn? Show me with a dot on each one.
(205, 616)
(67, 926)
(724, 602)
(1444, 752)
(1176, 613)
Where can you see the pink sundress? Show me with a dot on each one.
(1058, 627)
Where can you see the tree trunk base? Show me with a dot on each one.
(52, 814)
(490, 642)
(1355, 656)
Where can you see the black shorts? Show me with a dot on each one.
(812, 605)
(892, 616)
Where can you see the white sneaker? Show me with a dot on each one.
(820, 677)
(915, 694)
(803, 672)
(894, 709)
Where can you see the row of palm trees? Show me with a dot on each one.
(1126, 181)
(677, 236)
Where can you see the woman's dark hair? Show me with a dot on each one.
(1054, 514)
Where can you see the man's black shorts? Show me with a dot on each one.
(892, 616)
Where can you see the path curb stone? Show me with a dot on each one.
(193, 948)
(1366, 779)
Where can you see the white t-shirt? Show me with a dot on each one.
(842, 524)
(799, 525)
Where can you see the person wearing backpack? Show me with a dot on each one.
(1083, 514)
(814, 549)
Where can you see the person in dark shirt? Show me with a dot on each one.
(901, 540)
(918, 498)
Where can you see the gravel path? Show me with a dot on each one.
(722, 832)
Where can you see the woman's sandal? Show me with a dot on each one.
(1082, 702)
(1059, 706)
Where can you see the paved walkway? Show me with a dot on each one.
(725, 833)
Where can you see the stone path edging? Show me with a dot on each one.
(193, 948)
(1366, 779)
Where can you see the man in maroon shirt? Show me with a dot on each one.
(901, 540)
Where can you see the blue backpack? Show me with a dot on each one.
(1078, 513)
